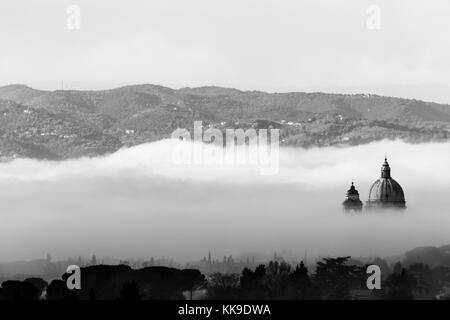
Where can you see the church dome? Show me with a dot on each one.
(352, 202)
(352, 191)
(386, 191)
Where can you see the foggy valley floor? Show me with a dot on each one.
(136, 203)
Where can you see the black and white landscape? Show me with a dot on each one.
(89, 103)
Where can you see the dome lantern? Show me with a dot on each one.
(385, 169)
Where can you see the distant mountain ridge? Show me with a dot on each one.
(65, 124)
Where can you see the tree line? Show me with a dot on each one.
(333, 279)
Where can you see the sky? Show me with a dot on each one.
(138, 203)
(272, 45)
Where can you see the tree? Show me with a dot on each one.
(400, 286)
(223, 286)
(300, 282)
(335, 278)
(191, 280)
(277, 279)
(427, 286)
(18, 290)
(300, 274)
(91, 295)
(39, 283)
(57, 290)
(252, 283)
(398, 268)
(130, 291)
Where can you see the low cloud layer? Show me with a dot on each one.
(138, 203)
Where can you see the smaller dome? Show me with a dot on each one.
(352, 191)
(352, 202)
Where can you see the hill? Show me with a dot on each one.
(64, 124)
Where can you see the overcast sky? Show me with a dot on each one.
(249, 44)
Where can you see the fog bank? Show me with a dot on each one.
(137, 203)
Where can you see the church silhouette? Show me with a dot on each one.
(385, 192)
